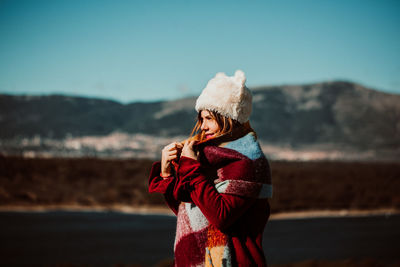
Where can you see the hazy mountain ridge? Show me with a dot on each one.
(338, 112)
(331, 114)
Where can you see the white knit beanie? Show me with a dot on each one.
(227, 96)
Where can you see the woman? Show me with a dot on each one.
(218, 181)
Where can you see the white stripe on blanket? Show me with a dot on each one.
(265, 190)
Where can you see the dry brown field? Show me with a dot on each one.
(298, 186)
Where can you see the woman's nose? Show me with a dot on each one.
(203, 126)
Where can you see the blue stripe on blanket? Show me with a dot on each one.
(248, 146)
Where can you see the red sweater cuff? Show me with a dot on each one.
(158, 184)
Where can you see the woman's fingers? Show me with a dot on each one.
(173, 147)
(189, 144)
(187, 150)
(169, 146)
(172, 153)
(179, 145)
(172, 157)
(169, 153)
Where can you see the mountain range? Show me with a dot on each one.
(338, 114)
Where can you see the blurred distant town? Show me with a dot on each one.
(122, 145)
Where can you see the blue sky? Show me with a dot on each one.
(152, 50)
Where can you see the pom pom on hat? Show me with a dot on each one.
(228, 96)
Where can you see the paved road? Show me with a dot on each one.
(110, 237)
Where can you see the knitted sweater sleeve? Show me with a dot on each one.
(158, 184)
(221, 210)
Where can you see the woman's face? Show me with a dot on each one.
(208, 124)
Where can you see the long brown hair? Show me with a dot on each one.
(226, 126)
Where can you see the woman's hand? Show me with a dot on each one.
(188, 151)
(168, 154)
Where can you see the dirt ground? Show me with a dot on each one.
(91, 182)
(299, 188)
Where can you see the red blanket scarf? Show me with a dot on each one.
(221, 204)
